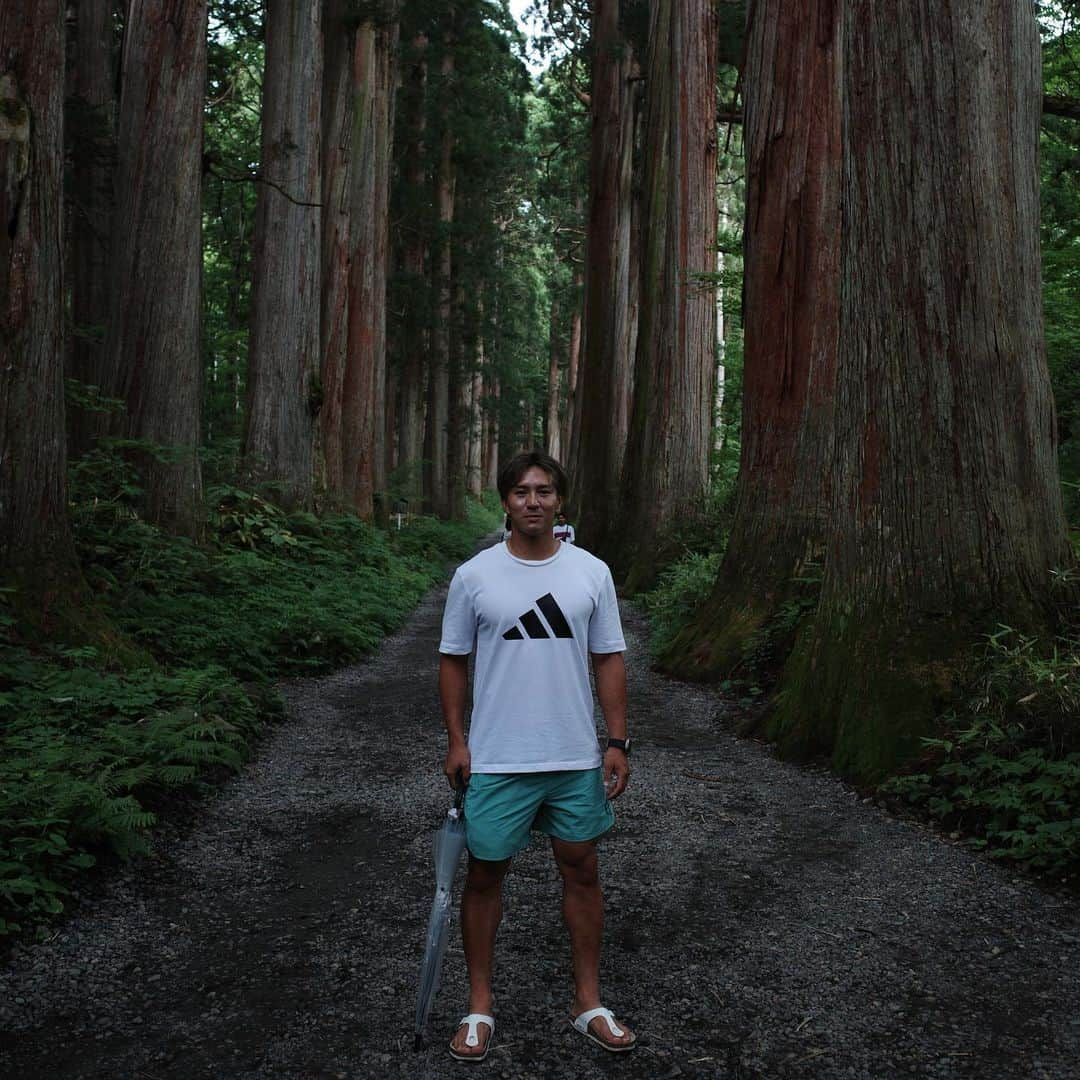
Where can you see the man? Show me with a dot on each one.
(564, 531)
(535, 610)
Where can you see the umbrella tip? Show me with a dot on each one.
(418, 1043)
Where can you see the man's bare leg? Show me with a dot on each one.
(481, 912)
(583, 910)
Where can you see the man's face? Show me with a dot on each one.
(532, 503)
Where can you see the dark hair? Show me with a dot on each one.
(521, 463)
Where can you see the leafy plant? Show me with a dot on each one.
(1006, 769)
(89, 754)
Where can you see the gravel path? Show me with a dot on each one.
(762, 920)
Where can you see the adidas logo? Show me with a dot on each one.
(535, 628)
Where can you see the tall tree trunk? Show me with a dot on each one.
(93, 153)
(491, 452)
(601, 436)
(721, 345)
(414, 338)
(36, 550)
(438, 414)
(279, 429)
(791, 305)
(339, 36)
(946, 510)
(551, 412)
(666, 473)
(369, 183)
(392, 398)
(476, 433)
(476, 411)
(573, 355)
(155, 333)
(459, 387)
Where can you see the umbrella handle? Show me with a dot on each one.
(459, 791)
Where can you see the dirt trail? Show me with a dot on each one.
(762, 921)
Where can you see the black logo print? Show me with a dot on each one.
(535, 628)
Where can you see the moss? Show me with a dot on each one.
(745, 629)
(14, 112)
(864, 694)
(714, 645)
(54, 607)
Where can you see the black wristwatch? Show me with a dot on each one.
(619, 744)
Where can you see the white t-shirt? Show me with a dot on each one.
(565, 533)
(533, 625)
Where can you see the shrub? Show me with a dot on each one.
(89, 753)
(1005, 770)
(681, 589)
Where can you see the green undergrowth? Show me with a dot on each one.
(680, 590)
(1003, 772)
(92, 748)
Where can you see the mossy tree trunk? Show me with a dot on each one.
(600, 408)
(945, 508)
(791, 310)
(36, 550)
(279, 426)
(154, 343)
(665, 475)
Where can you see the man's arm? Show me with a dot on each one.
(453, 685)
(611, 693)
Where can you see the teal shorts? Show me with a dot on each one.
(501, 809)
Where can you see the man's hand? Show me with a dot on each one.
(458, 765)
(453, 683)
(616, 765)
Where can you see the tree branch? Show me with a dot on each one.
(254, 178)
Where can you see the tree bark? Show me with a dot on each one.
(438, 414)
(369, 183)
(791, 312)
(603, 374)
(491, 451)
(573, 356)
(36, 550)
(284, 349)
(459, 383)
(946, 509)
(665, 477)
(93, 156)
(155, 334)
(414, 338)
(552, 432)
(337, 147)
(475, 483)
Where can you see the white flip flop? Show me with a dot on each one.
(472, 1036)
(581, 1023)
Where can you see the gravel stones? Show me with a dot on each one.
(762, 920)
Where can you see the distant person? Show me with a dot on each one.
(564, 531)
(535, 611)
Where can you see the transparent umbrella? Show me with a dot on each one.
(449, 844)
